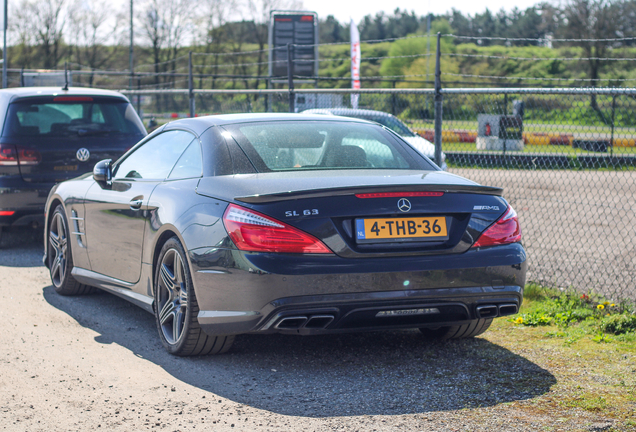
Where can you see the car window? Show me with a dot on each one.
(70, 116)
(392, 123)
(190, 164)
(156, 157)
(301, 145)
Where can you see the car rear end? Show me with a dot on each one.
(50, 138)
(315, 251)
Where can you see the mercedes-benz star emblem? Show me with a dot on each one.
(404, 205)
(83, 154)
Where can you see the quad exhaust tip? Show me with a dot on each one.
(487, 311)
(292, 322)
(508, 309)
(319, 321)
(301, 321)
(493, 311)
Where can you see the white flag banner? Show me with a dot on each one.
(355, 63)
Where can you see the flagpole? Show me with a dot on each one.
(4, 46)
(355, 63)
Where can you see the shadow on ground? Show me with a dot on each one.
(21, 247)
(388, 373)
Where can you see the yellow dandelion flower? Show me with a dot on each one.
(607, 314)
(600, 307)
(519, 320)
(612, 305)
(606, 303)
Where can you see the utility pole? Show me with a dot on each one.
(130, 54)
(438, 104)
(4, 46)
(290, 77)
(190, 85)
(428, 43)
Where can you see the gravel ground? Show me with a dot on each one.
(85, 363)
(578, 226)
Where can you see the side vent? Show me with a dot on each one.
(77, 232)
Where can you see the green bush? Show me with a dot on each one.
(618, 324)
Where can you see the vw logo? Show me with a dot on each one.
(83, 154)
(404, 205)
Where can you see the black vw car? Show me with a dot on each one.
(302, 224)
(50, 135)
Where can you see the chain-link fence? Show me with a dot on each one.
(566, 159)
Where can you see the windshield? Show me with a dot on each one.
(67, 116)
(321, 145)
(392, 123)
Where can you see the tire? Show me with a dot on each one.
(60, 258)
(472, 329)
(176, 307)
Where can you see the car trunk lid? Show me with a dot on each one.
(410, 212)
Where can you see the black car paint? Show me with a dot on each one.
(24, 188)
(240, 292)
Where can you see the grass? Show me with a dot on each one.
(594, 365)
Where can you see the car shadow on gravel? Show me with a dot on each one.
(21, 247)
(379, 373)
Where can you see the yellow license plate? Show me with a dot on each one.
(402, 229)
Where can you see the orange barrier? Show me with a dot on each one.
(542, 138)
(624, 142)
(529, 138)
(449, 136)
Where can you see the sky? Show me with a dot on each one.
(357, 9)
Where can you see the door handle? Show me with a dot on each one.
(135, 204)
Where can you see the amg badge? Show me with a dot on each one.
(495, 208)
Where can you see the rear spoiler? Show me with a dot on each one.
(322, 193)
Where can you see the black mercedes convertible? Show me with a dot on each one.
(299, 224)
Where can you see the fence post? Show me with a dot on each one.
(393, 100)
(65, 76)
(290, 77)
(438, 104)
(190, 84)
(139, 98)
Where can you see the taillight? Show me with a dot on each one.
(506, 230)
(28, 157)
(6, 213)
(24, 156)
(8, 155)
(253, 231)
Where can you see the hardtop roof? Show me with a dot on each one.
(24, 92)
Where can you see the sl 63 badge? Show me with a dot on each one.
(308, 212)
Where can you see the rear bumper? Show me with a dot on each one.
(25, 199)
(311, 294)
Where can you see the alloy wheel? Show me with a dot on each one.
(58, 241)
(173, 296)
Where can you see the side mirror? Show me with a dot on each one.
(102, 172)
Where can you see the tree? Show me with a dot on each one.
(166, 24)
(90, 33)
(42, 23)
(212, 22)
(591, 21)
(332, 31)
